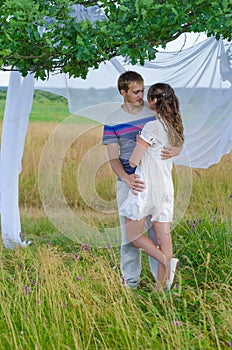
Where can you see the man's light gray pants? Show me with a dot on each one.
(130, 260)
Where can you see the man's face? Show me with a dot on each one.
(134, 95)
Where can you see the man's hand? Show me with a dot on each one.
(169, 152)
(134, 183)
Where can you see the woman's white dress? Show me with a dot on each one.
(157, 199)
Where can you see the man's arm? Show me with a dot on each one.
(132, 180)
(169, 152)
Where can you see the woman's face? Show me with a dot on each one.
(152, 104)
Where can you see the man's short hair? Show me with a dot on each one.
(128, 77)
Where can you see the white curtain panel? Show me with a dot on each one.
(15, 123)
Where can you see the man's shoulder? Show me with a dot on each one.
(120, 116)
(116, 117)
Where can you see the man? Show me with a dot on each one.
(119, 135)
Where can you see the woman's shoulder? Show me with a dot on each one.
(153, 124)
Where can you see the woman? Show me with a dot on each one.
(157, 199)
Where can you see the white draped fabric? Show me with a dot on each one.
(201, 76)
(15, 123)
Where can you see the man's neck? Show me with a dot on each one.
(132, 109)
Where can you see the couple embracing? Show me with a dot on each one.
(141, 140)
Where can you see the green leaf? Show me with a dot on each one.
(79, 40)
(123, 8)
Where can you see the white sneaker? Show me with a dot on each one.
(25, 243)
(173, 269)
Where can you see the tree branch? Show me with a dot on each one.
(88, 2)
(9, 70)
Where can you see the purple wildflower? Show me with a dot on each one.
(194, 222)
(64, 306)
(26, 290)
(230, 197)
(85, 247)
(187, 222)
(177, 323)
(78, 278)
(193, 226)
(109, 247)
(229, 344)
(75, 257)
(199, 220)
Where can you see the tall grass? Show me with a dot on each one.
(58, 295)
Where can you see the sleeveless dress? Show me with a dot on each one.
(157, 199)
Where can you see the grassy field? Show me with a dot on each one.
(59, 294)
(46, 107)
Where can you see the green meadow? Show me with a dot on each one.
(63, 294)
(46, 107)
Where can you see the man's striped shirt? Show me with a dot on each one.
(122, 128)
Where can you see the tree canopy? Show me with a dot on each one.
(132, 28)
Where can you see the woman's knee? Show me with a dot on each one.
(163, 237)
(164, 241)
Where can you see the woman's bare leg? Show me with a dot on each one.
(164, 240)
(134, 233)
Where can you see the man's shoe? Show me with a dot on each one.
(173, 269)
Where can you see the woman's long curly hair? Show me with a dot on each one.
(167, 109)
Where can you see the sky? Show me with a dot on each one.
(184, 41)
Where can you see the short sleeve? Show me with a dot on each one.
(148, 133)
(109, 135)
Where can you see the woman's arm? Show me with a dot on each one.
(137, 154)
